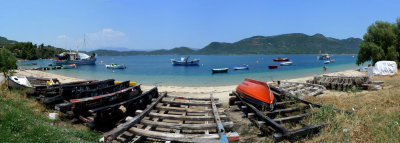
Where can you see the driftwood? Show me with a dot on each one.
(340, 82)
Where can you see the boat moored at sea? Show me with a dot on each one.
(185, 62)
(286, 63)
(70, 66)
(257, 93)
(273, 66)
(324, 57)
(327, 62)
(67, 58)
(241, 68)
(116, 66)
(220, 70)
(279, 59)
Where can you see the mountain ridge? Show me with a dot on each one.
(293, 43)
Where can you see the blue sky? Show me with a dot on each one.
(165, 24)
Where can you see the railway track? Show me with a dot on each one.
(177, 119)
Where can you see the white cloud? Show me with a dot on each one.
(106, 37)
(62, 37)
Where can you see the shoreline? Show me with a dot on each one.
(221, 92)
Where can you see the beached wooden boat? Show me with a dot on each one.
(185, 62)
(286, 63)
(257, 93)
(279, 59)
(70, 66)
(116, 66)
(70, 91)
(220, 70)
(273, 66)
(19, 82)
(99, 97)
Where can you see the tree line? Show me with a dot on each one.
(381, 42)
(29, 51)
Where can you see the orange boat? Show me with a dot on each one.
(257, 93)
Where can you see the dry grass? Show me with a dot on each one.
(376, 115)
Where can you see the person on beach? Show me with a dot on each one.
(325, 68)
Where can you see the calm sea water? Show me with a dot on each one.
(158, 70)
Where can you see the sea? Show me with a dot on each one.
(158, 70)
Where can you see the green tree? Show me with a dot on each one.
(381, 42)
(8, 62)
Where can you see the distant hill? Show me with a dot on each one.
(295, 43)
(5, 41)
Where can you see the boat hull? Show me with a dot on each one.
(15, 85)
(77, 62)
(273, 67)
(257, 93)
(183, 63)
(241, 68)
(220, 70)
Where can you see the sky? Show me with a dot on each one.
(166, 24)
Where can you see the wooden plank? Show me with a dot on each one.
(293, 118)
(287, 110)
(220, 127)
(180, 109)
(111, 135)
(185, 126)
(192, 103)
(191, 98)
(261, 115)
(180, 117)
(210, 138)
(298, 132)
(123, 102)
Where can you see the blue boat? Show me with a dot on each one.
(185, 62)
(67, 58)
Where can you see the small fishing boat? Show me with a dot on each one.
(221, 70)
(324, 57)
(185, 62)
(116, 66)
(333, 60)
(70, 66)
(19, 82)
(273, 66)
(241, 68)
(286, 63)
(279, 59)
(327, 62)
(257, 93)
(23, 82)
(33, 63)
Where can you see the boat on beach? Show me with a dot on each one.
(220, 70)
(279, 59)
(257, 93)
(116, 66)
(185, 62)
(273, 66)
(286, 63)
(29, 83)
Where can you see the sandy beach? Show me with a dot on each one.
(221, 92)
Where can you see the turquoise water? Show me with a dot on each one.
(158, 70)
